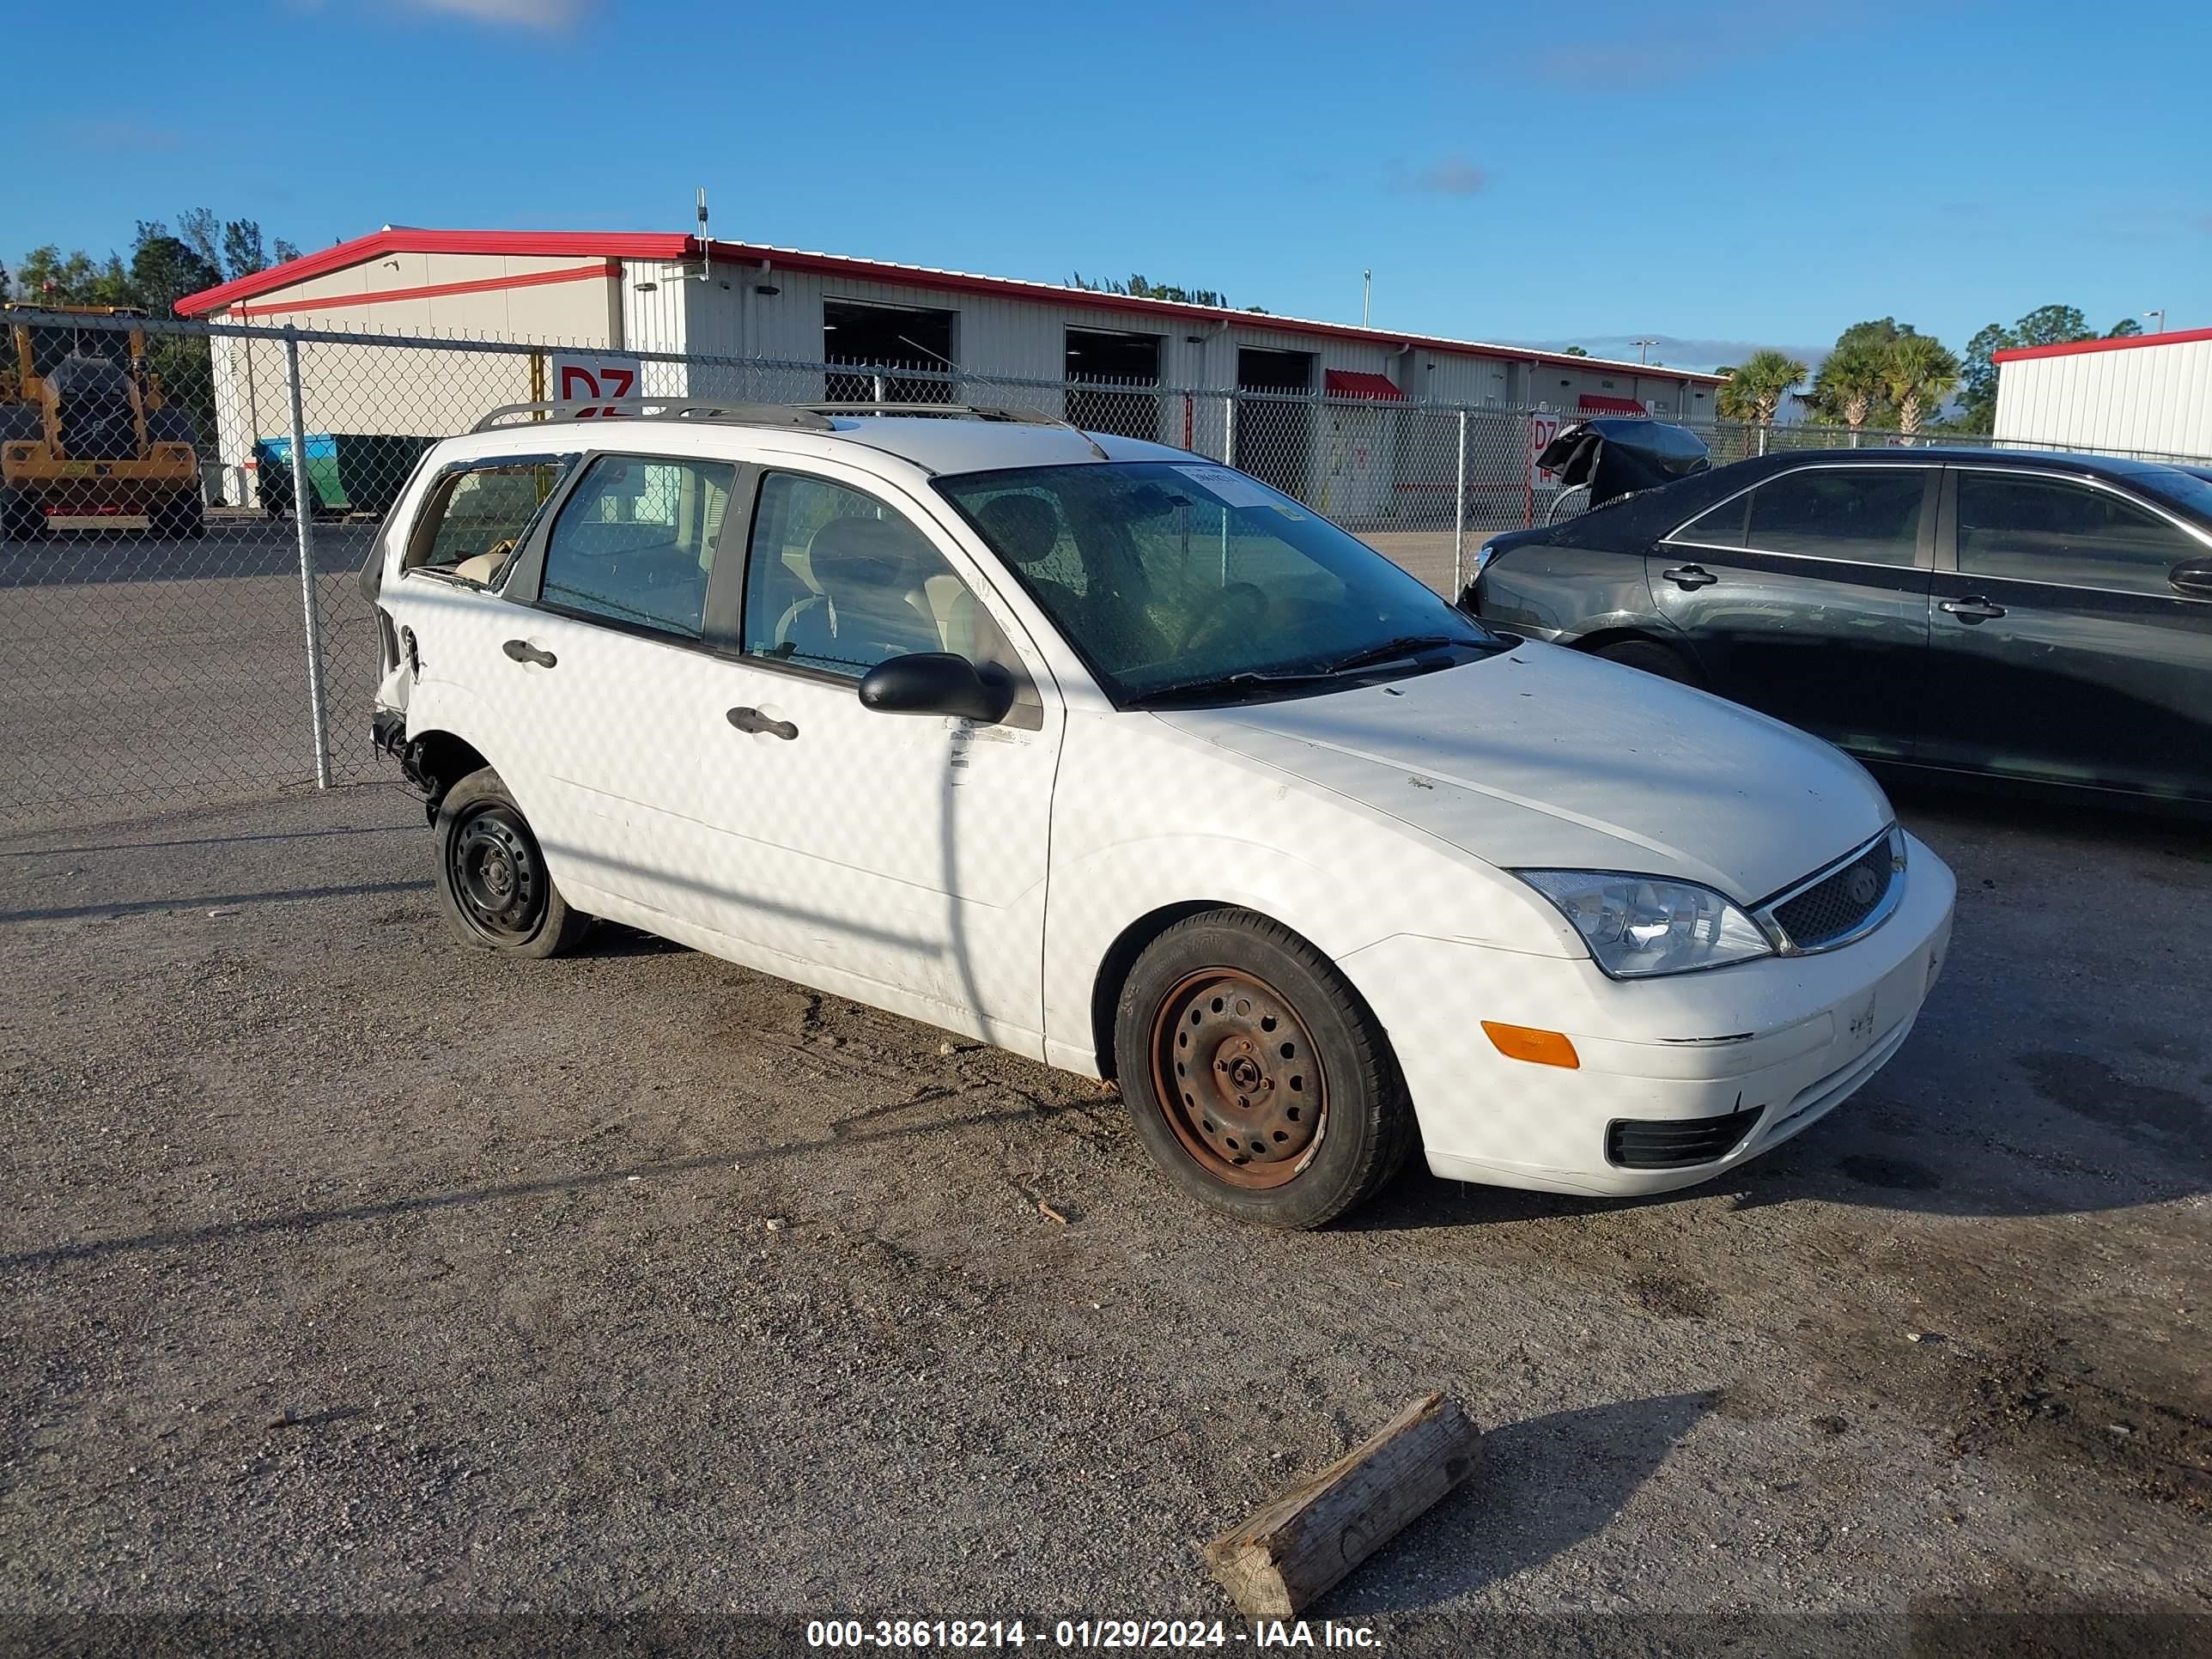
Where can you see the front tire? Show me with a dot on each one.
(492, 880)
(1661, 661)
(1256, 1077)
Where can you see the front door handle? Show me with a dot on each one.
(1690, 575)
(523, 651)
(751, 720)
(1972, 610)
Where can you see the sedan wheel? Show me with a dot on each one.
(492, 877)
(1255, 1076)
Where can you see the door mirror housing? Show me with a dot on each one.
(936, 682)
(2193, 577)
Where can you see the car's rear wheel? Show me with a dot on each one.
(1652, 658)
(1256, 1077)
(492, 880)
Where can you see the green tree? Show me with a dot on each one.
(1852, 382)
(1918, 373)
(2126, 329)
(1574, 351)
(1755, 388)
(1137, 287)
(164, 268)
(286, 251)
(242, 253)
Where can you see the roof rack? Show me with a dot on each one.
(658, 408)
(958, 411)
(809, 417)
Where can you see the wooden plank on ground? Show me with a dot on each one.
(1298, 1546)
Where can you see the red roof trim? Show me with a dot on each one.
(603, 270)
(1356, 383)
(535, 244)
(2075, 348)
(1597, 403)
(650, 245)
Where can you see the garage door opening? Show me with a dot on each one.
(1274, 440)
(1108, 369)
(872, 343)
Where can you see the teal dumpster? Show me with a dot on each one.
(347, 472)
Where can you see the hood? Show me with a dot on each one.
(1543, 757)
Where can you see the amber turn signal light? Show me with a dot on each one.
(1537, 1048)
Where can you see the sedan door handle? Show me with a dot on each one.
(1690, 575)
(523, 651)
(1972, 610)
(751, 720)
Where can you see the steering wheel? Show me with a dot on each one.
(1240, 604)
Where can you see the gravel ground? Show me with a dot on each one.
(349, 1272)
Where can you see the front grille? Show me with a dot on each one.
(1831, 908)
(1676, 1143)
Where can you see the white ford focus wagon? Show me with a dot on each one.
(1120, 760)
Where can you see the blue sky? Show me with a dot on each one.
(1723, 175)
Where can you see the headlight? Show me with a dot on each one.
(1640, 926)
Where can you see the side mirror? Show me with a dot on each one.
(2193, 576)
(935, 683)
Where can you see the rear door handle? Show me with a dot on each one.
(751, 720)
(523, 651)
(1690, 575)
(1972, 610)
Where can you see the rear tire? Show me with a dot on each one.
(22, 518)
(492, 880)
(182, 517)
(1652, 658)
(1255, 1075)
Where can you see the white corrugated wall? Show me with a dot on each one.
(2155, 396)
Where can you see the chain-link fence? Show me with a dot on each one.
(186, 507)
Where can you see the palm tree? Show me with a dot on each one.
(1918, 373)
(1755, 388)
(1850, 382)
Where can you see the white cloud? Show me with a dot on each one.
(547, 16)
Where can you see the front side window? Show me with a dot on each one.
(1167, 577)
(476, 515)
(838, 581)
(1867, 515)
(636, 542)
(2013, 526)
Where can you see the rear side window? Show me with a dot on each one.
(2051, 529)
(476, 515)
(1867, 515)
(636, 542)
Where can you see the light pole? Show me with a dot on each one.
(2161, 315)
(1366, 294)
(1643, 348)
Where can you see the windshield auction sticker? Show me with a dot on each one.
(1230, 487)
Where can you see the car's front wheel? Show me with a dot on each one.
(492, 880)
(1652, 658)
(1255, 1076)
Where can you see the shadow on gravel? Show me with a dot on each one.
(214, 901)
(415, 828)
(303, 1221)
(1544, 1486)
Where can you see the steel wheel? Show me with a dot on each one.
(496, 874)
(1239, 1079)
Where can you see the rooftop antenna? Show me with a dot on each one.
(706, 246)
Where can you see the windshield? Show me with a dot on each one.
(52, 342)
(1174, 575)
(2184, 487)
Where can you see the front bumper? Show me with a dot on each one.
(1775, 1044)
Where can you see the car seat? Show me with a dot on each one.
(872, 604)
